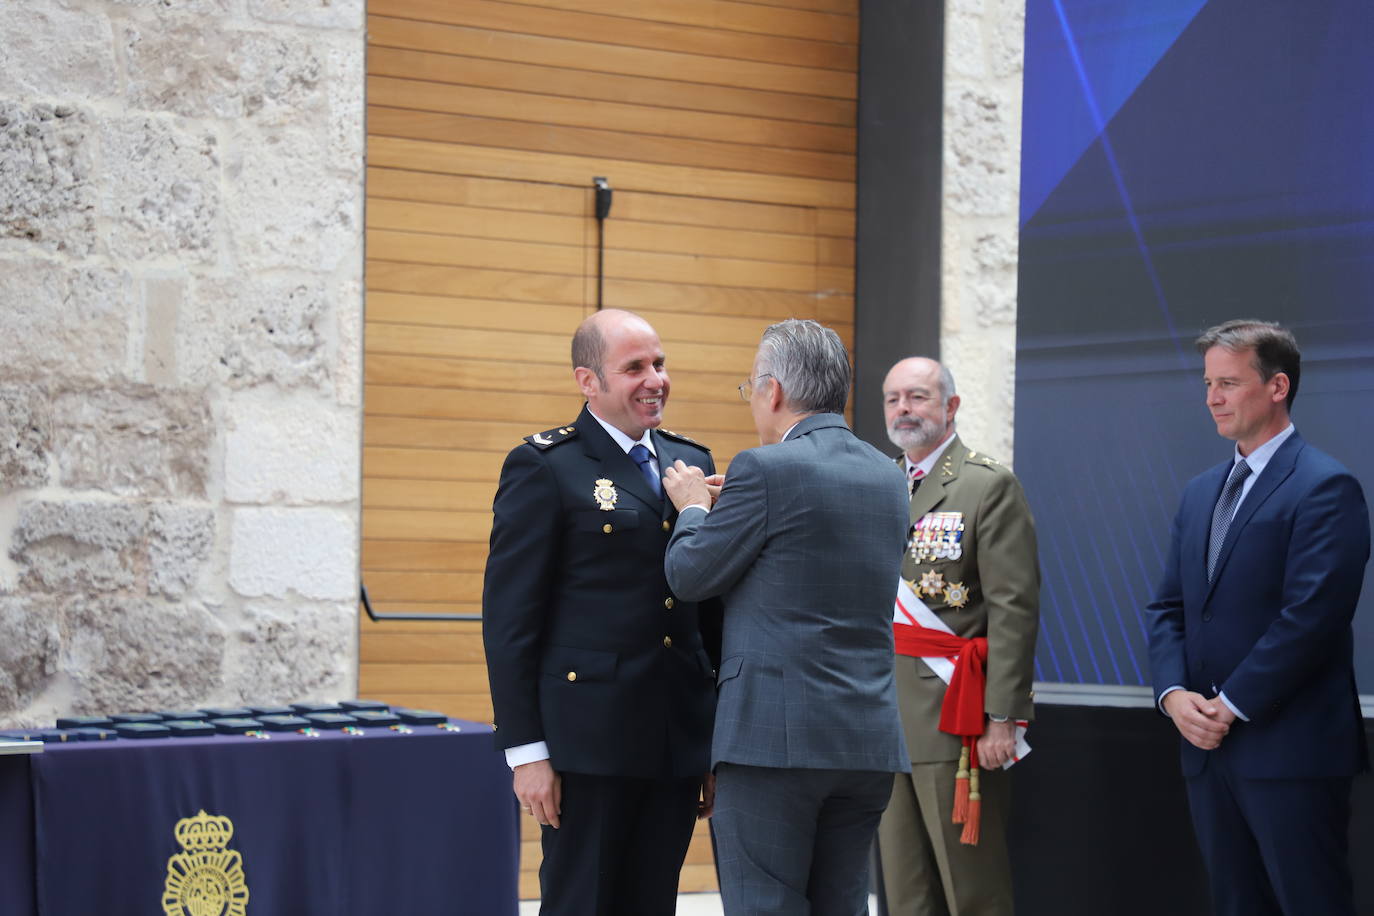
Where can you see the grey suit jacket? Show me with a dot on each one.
(805, 545)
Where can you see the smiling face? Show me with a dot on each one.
(1245, 407)
(633, 386)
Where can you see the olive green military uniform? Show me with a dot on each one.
(984, 580)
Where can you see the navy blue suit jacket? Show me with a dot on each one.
(1272, 631)
(587, 647)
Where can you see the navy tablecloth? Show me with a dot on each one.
(336, 825)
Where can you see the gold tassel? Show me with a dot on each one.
(973, 825)
(961, 788)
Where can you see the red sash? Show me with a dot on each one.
(961, 713)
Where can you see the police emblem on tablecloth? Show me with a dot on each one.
(605, 495)
(207, 878)
(937, 536)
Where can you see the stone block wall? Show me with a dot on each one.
(181, 194)
(984, 51)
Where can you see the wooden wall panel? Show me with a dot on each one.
(540, 19)
(762, 129)
(588, 53)
(726, 129)
(629, 90)
(447, 158)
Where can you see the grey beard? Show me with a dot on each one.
(921, 437)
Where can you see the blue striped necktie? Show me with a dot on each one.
(644, 459)
(1223, 513)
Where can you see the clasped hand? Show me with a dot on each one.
(1202, 722)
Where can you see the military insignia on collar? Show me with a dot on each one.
(937, 536)
(605, 495)
(932, 583)
(956, 594)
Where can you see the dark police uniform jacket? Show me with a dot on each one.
(587, 648)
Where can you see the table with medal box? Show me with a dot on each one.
(311, 809)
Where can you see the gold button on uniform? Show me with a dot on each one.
(666, 526)
(606, 528)
(572, 675)
(668, 603)
(667, 642)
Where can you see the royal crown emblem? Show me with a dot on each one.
(206, 879)
(605, 495)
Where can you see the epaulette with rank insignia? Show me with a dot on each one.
(986, 460)
(551, 437)
(681, 438)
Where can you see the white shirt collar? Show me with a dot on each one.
(622, 440)
(1260, 456)
(928, 462)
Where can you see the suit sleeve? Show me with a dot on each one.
(1323, 572)
(1164, 618)
(1009, 571)
(709, 552)
(711, 612)
(516, 591)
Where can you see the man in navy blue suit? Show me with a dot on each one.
(1251, 644)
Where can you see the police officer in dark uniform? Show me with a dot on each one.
(603, 689)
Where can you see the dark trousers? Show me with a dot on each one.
(1273, 847)
(792, 842)
(620, 846)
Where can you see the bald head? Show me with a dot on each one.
(919, 405)
(621, 369)
(589, 340)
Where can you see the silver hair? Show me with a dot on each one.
(946, 385)
(810, 363)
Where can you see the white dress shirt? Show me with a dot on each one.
(927, 464)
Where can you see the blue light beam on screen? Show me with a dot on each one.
(1057, 552)
(1098, 611)
(1105, 575)
(1121, 42)
(1120, 182)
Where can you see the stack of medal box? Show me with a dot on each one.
(236, 720)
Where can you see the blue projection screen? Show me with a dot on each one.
(1184, 162)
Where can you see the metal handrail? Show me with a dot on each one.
(375, 616)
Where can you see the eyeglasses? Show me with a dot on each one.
(746, 388)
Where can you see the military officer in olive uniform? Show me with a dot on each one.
(971, 559)
(603, 691)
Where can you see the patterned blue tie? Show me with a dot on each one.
(1223, 513)
(645, 460)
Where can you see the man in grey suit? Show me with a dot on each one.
(805, 544)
